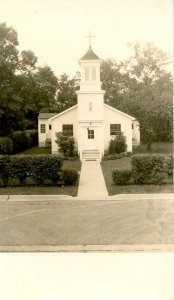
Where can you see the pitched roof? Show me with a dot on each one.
(46, 115)
(119, 111)
(64, 111)
(90, 55)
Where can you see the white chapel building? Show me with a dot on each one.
(91, 122)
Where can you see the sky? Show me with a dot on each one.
(55, 30)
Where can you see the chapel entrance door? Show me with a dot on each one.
(90, 139)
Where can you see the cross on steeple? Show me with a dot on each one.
(90, 36)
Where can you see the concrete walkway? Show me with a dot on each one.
(92, 184)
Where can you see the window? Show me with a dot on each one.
(42, 128)
(87, 73)
(49, 127)
(93, 73)
(67, 129)
(132, 126)
(90, 134)
(115, 128)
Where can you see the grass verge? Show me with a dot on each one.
(46, 190)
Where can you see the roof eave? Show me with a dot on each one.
(119, 111)
(63, 112)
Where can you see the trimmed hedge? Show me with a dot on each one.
(5, 169)
(152, 168)
(146, 169)
(69, 177)
(121, 176)
(20, 167)
(46, 167)
(39, 167)
(6, 145)
(18, 141)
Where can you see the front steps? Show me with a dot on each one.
(91, 155)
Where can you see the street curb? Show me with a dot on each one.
(119, 197)
(90, 248)
(4, 198)
(19, 198)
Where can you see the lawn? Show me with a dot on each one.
(36, 150)
(122, 163)
(156, 147)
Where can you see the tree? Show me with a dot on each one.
(26, 86)
(154, 97)
(28, 61)
(11, 113)
(8, 50)
(46, 87)
(66, 92)
(25, 89)
(142, 87)
(114, 82)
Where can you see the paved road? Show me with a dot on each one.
(75, 222)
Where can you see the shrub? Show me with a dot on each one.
(158, 176)
(46, 167)
(121, 176)
(20, 141)
(33, 136)
(65, 143)
(168, 165)
(118, 144)
(111, 149)
(23, 140)
(71, 146)
(128, 154)
(69, 176)
(53, 165)
(39, 167)
(4, 169)
(6, 145)
(20, 167)
(154, 168)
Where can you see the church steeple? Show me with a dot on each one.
(90, 55)
(90, 70)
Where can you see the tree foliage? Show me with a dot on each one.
(66, 92)
(25, 89)
(142, 87)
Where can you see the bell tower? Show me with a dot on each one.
(90, 99)
(90, 96)
(90, 71)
